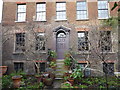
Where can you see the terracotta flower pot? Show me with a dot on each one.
(53, 67)
(52, 59)
(71, 81)
(16, 81)
(3, 70)
(48, 81)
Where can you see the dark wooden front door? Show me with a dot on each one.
(62, 45)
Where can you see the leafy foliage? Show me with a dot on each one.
(53, 64)
(53, 54)
(67, 61)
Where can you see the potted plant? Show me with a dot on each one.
(16, 81)
(66, 85)
(53, 56)
(53, 65)
(17, 77)
(67, 62)
(77, 75)
(48, 81)
(3, 70)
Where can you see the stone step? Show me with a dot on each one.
(60, 63)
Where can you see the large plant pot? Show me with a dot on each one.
(71, 81)
(16, 81)
(52, 59)
(48, 81)
(53, 67)
(3, 70)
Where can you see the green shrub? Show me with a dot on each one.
(67, 61)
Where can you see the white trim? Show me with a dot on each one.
(60, 19)
(20, 21)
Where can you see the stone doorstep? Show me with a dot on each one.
(60, 63)
(58, 78)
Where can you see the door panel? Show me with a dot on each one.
(62, 45)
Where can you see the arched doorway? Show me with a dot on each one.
(61, 44)
(61, 41)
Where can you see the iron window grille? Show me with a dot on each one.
(83, 41)
(40, 42)
(105, 41)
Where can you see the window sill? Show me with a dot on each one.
(82, 19)
(57, 20)
(81, 52)
(40, 21)
(20, 21)
(18, 53)
(108, 52)
(102, 18)
(43, 52)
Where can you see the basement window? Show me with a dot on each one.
(41, 67)
(108, 68)
(86, 71)
(18, 66)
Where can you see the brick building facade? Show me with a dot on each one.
(61, 25)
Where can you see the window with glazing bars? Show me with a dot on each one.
(105, 41)
(81, 10)
(108, 68)
(40, 42)
(103, 9)
(21, 12)
(41, 11)
(86, 71)
(18, 66)
(83, 41)
(60, 10)
(20, 42)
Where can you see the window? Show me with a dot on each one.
(40, 42)
(61, 11)
(21, 12)
(18, 66)
(41, 67)
(41, 12)
(86, 71)
(102, 9)
(20, 42)
(83, 41)
(108, 68)
(82, 10)
(105, 41)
